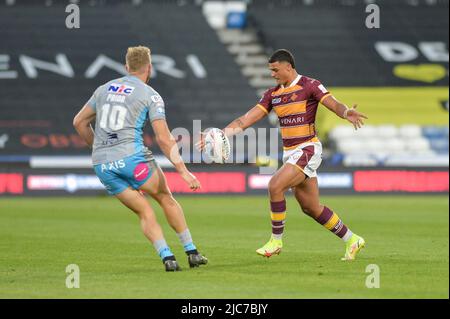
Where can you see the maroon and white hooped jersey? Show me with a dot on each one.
(296, 107)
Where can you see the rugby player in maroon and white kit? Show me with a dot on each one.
(295, 100)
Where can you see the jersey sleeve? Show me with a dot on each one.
(92, 102)
(156, 107)
(318, 91)
(265, 103)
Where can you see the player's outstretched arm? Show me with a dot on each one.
(169, 147)
(82, 123)
(241, 123)
(341, 110)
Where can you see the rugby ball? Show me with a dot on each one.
(217, 145)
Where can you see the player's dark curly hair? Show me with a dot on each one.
(282, 55)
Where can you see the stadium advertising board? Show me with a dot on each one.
(11, 183)
(247, 181)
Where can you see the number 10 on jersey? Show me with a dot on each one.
(113, 117)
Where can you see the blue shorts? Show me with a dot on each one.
(132, 171)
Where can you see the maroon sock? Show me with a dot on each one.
(278, 216)
(332, 222)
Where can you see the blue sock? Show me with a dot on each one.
(162, 248)
(189, 247)
(165, 252)
(187, 242)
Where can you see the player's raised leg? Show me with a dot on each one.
(157, 187)
(287, 176)
(307, 194)
(150, 227)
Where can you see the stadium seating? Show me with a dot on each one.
(331, 42)
(326, 36)
(385, 144)
(175, 31)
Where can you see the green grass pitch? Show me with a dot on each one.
(407, 237)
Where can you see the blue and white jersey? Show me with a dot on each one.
(122, 108)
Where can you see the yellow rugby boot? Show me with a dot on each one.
(353, 246)
(273, 247)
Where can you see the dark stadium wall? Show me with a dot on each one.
(333, 43)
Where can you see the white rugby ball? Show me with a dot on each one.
(217, 145)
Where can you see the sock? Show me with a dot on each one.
(332, 222)
(278, 216)
(163, 250)
(186, 240)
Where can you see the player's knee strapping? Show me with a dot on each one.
(278, 216)
(331, 221)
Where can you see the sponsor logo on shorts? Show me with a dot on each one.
(141, 172)
(111, 166)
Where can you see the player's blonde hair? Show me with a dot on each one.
(137, 58)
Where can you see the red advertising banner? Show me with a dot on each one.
(400, 181)
(11, 183)
(221, 182)
(48, 182)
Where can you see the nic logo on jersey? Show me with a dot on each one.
(120, 89)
